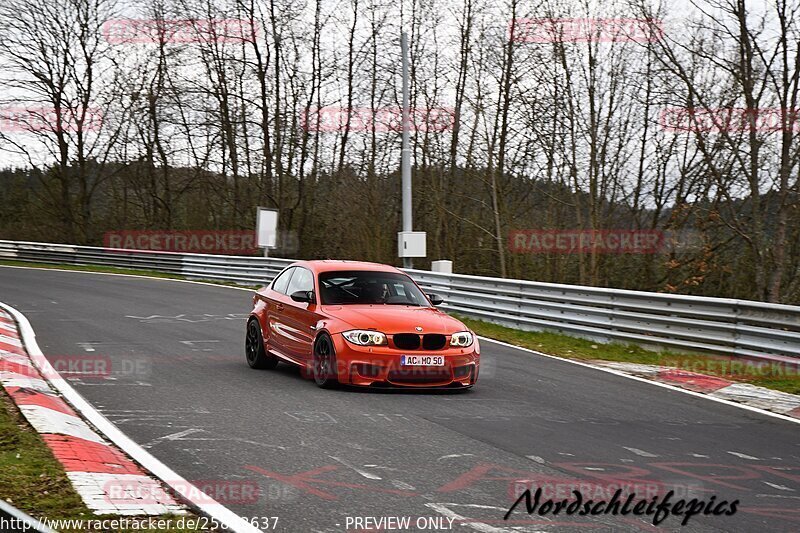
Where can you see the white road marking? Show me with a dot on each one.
(389, 468)
(454, 455)
(174, 436)
(195, 348)
(640, 453)
(536, 459)
(311, 416)
(779, 487)
(362, 473)
(444, 510)
(86, 346)
(744, 456)
(384, 417)
(699, 455)
(188, 318)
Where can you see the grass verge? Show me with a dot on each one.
(777, 377)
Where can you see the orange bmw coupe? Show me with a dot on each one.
(364, 324)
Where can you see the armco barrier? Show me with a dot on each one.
(12, 520)
(688, 323)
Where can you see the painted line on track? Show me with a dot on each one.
(177, 483)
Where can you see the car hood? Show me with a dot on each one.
(392, 319)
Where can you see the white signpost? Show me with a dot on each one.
(267, 229)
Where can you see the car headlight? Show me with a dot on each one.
(462, 339)
(365, 337)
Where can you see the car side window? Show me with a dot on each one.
(282, 280)
(302, 280)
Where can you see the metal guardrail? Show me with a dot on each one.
(14, 520)
(687, 323)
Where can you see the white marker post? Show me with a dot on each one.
(267, 229)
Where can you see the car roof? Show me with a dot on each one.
(329, 265)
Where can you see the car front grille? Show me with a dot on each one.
(433, 341)
(406, 341)
(412, 341)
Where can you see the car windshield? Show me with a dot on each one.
(367, 287)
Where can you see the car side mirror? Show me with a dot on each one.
(303, 296)
(435, 299)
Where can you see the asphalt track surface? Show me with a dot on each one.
(180, 387)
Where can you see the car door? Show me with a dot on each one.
(275, 300)
(300, 316)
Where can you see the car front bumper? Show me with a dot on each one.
(380, 366)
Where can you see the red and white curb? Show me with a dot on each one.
(744, 393)
(96, 468)
(107, 475)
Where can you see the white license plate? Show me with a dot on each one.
(422, 360)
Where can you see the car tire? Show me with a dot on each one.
(257, 356)
(324, 362)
